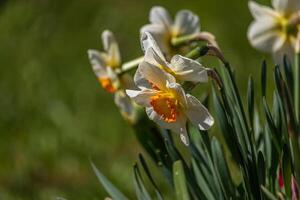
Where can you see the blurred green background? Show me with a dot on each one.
(54, 117)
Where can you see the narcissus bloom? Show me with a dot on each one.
(107, 66)
(166, 102)
(276, 30)
(182, 68)
(164, 29)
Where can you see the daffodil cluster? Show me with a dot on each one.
(107, 67)
(161, 92)
(160, 74)
(276, 30)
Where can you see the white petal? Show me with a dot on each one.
(159, 15)
(142, 97)
(155, 57)
(286, 6)
(178, 127)
(108, 39)
(264, 35)
(140, 81)
(123, 102)
(198, 114)
(153, 75)
(188, 70)
(111, 46)
(258, 11)
(148, 41)
(98, 63)
(185, 23)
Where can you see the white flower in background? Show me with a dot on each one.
(276, 30)
(106, 66)
(164, 29)
(182, 68)
(166, 102)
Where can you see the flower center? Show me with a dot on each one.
(166, 105)
(107, 84)
(290, 29)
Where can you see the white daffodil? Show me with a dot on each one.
(166, 102)
(276, 30)
(106, 66)
(182, 68)
(164, 29)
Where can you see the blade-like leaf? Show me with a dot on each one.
(268, 194)
(222, 168)
(140, 189)
(147, 171)
(180, 181)
(250, 96)
(109, 187)
(261, 165)
(286, 169)
(263, 78)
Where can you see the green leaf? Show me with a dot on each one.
(286, 169)
(267, 193)
(261, 165)
(180, 181)
(140, 189)
(147, 171)
(250, 95)
(222, 168)
(271, 125)
(263, 78)
(203, 184)
(227, 129)
(109, 187)
(288, 74)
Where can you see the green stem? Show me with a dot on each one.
(195, 37)
(131, 64)
(297, 86)
(177, 41)
(197, 52)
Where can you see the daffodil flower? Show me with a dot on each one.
(164, 29)
(166, 102)
(182, 68)
(276, 30)
(107, 66)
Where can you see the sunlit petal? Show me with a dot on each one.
(154, 75)
(188, 70)
(198, 114)
(142, 97)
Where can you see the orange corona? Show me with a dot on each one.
(107, 84)
(166, 105)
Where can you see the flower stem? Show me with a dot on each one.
(297, 85)
(197, 52)
(195, 37)
(131, 64)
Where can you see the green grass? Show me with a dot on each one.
(54, 116)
